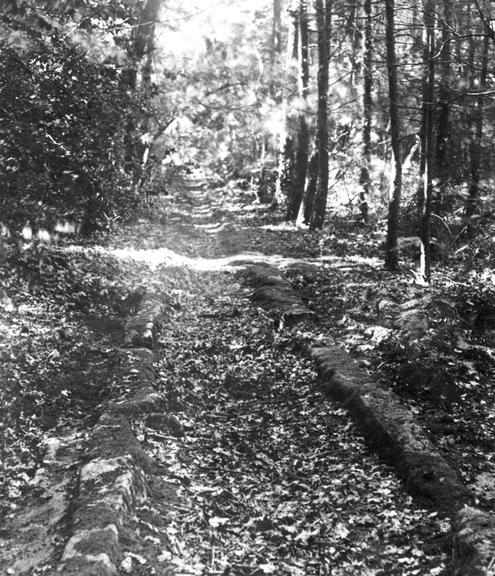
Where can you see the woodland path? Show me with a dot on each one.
(270, 477)
(263, 475)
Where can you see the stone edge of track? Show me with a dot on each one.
(388, 426)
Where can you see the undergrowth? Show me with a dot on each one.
(60, 315)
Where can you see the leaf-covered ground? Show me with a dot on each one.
(270, 477)
(432, 345)
(59, 316)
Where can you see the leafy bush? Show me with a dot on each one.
(59, 142)
(450, 358)
(423, 367)
(70, 116)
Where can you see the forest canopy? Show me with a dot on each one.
(379, 110)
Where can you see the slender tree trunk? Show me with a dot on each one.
(302, 151)
(355, 41)
(365, 179)
(323, 19)
(425, 189)
(300, 169)
(287, 178)
(444, 95)
(477, 139)
(415, 17)
(284, 162)
(463, 44)
(276, 44)
(471, 42)
(310, 192)
(391, 247)
(276, 30)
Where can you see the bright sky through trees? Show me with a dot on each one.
(185, 27)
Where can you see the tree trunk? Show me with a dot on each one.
(443, 121)
(425, 189)
(304, 48)
(391, 247)
(276, 45)
(299, 170)
(355, 40)
(323, 19)
(286, 176)
(139, 78)
(302, 151)
(309, 195)
(276, 30)
(477, 139)
(365, 179)
(284, 161)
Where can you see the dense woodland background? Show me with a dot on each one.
(370, 109)
(378, 102)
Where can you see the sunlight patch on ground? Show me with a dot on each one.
(210, 227)
(168, 258)
(284, 226)
(200, 212)
(357, 260)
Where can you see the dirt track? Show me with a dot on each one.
(251, 471)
